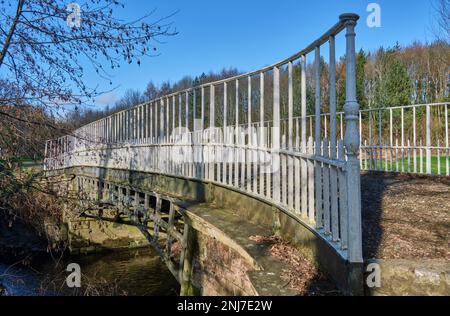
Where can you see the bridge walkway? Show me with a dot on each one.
(235, 232)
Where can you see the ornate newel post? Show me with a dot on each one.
(352, 144)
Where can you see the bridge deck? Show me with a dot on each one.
(269, 276)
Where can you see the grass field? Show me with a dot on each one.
(435, 161)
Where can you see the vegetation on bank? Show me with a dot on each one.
(26, 198)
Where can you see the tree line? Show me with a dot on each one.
(394, 76)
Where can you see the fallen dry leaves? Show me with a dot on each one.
(300, 274)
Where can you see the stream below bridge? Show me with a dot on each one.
(131, 272)
(27, 270)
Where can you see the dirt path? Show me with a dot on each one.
(405, 217)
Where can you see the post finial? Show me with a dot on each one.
(349, 17)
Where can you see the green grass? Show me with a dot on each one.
(434, 165)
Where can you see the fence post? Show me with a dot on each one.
(447, 163)
(428, 150)
(352, 144)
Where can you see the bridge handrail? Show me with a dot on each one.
(318, 181)
(336, 29)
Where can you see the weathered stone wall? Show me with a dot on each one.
(90, 235)
(427, 277)
(218, 270)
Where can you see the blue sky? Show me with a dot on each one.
(249, 34)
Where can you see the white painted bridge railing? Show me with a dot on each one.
(219, 132)
(403, 139)
(406, 139)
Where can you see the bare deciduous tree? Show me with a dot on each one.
(44, 57)
(442, 23)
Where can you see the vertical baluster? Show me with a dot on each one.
(111, 131)
(158, 107)
(262, 142)
(178, 146)
(255, 175)
(304, 162)
(231, 148)
(408, 150)
(396, 155)
(133, 125)
(386, 159)
(380, 140)
(236, 136)
(414, 140)
(116, 128)
(115, 124)
(140, 124)
(343, 211)
(174, 116)
(152, 105)
(421, 157)
(212, 124)
(202, 129)
(403, 138)
(438, 157)
(326, 192)
(189, 140)
(253, 140)
(447, 161)
(168, 120)
(360, 140)
(122, 128)
(283, 180)
(318, 165)
(428, 140)
(225, 133)
(333, 143)
(147, 122)
(290, 131)
(276, 135)
(365, 154)
(158, 121)
(311, 182)
(184, 134)
(194, 139)
(187, 110)
(391, 137)
(297, 183)
(243, 150)
(249, 137)
(371, 160)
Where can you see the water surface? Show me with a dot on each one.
(132, 272)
